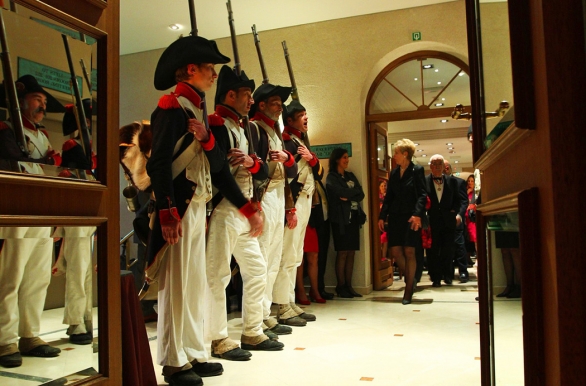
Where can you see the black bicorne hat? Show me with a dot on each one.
(267, 90)
(184, 51)
(27, 84)
(228, 80)
(290, 110)
(69, 123)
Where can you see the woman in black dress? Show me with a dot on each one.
(403, 207)
(346, 216)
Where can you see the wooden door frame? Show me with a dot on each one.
(75, 203)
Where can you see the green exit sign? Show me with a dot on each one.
(416, 36)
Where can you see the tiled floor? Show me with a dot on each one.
(370, 340)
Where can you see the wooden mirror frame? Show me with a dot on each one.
(77, 203)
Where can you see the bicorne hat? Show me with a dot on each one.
(228, 80)
(69, 122)
(184, 51)
(267, 90)
(27, 84)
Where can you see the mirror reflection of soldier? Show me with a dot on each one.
(303, 187)
(34, 103)
(180, 205)
(75, 255)
(25, 252)
(229, 232)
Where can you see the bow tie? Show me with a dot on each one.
(437, 178)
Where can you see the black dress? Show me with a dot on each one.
(405, 198)
(343, 215)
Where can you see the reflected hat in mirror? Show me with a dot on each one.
(27, 84)
(184, 51)
(267, 90)
(228, 80)
(292, 108)
(69, 122)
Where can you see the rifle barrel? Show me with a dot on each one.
(265, 77)
(192, 18)
(294, 93)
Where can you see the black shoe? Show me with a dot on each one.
(405, 301)
(352, 292)
(184, 378)
(11, 360)
(236, 354)
(326, 295)
(85, 338)
(207, 369)
(436, 284)
(463, 278)
(515, 293)
(342, 292)
(271, 335)
(448, 281)
(44, 351)
(267, 345)
(506, 292)
(280, 329)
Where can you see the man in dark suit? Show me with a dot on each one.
(460, 255)
(448, 204)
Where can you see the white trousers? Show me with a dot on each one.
(229, 234)
(76, 250)
(25, 273)
(293, 251)
(271, 243)
(181, 294)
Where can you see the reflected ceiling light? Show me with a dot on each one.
(378, 159)
(443, 120)
(378, 148)
(449, 144)
(414, 78)
(439, 104)
(436, 70)
(461, 73)
(416, 144)
(175, 27)
(443, 99)
(428, 66)
(420, 150)
(450, 148)
(439, 82)
(456, 162)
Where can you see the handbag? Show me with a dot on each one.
(361, 216)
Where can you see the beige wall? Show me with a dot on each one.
(335, 63)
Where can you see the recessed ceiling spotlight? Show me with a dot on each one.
(443, 99)
(424, 155)
(449, 144)
(436, 70)
(439, 104)
(443, 120)
(439, 82)
(428, 66)
(456, 162)
(175, 27)
(416, 144)
(378, 148)
(420, 150)
(414, 78)
(450, 148)
(462, 73)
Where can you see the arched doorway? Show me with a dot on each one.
(416, 93)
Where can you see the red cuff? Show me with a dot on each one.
(292, 210)
(255, 167)
(168, 216)
(209, 145)
(56, 159)
(314, 161)
(248, 210)
(291, 161)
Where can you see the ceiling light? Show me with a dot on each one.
(420, 150)
(452, 151)
(378, 148)
(461, 73)
(436, 70)
(443, 120)
(414, 78)
(439, 104)
(450, 148)
(449, 144)
(424, 155)
(439, 82)
(175, 27)
(443, 99)
(456, 162)
(416, 144)
(427, 66)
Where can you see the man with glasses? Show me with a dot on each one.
(448, 205)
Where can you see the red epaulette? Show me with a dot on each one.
(168, 102)
(215, 120)
(68, 145)
(45, 132)
(3, 126)
(286, 137)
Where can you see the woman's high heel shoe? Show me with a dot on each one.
(315, 297)
(302, 302)
(352, 292)
(342, 292)
(326, 295)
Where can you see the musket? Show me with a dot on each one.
(193, 32)
(82, 122)
(86, 75)
(11, 94)
(294, 93)
(256, 193)
(288, 194)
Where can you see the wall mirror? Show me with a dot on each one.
(382, 154)
(37, 47)
(49, 292)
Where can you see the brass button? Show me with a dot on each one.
(187, 201)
